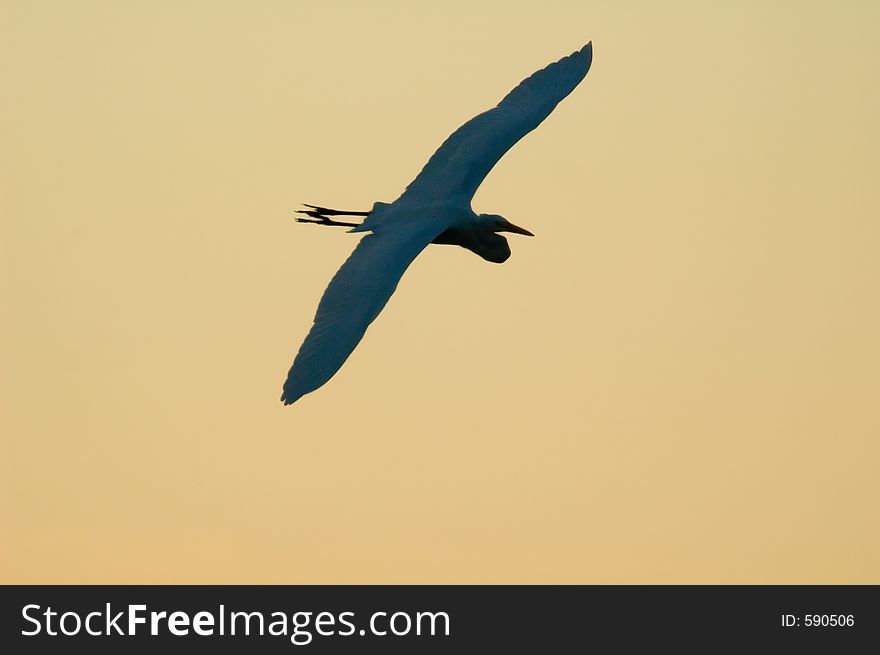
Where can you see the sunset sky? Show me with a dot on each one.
(676, 381)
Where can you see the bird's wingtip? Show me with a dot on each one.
(584, 55)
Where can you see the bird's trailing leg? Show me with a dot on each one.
(321, 216)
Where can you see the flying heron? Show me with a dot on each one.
(434, 208)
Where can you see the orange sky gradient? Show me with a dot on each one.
(675, 381)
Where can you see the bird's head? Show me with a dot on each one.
(491, 246)
(500, 224)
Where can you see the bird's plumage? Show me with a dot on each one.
(436, 203)
(468, 154)
(353, 299)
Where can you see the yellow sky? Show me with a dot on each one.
(677, 380)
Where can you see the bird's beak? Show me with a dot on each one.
(510, 227)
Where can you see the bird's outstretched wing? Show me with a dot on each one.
(466, 157)
(353, 299)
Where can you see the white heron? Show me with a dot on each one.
(434, 208)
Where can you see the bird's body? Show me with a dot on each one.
(434, 208)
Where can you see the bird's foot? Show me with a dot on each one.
(323, 220)
(321, 216)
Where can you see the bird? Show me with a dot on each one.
(435, 208)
